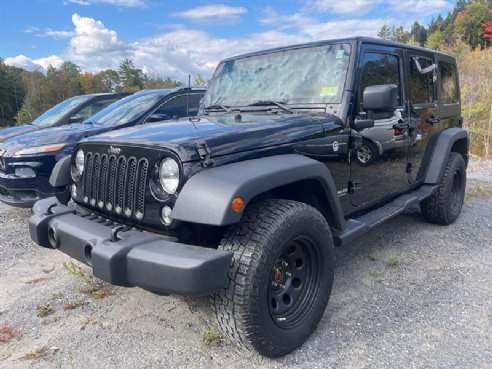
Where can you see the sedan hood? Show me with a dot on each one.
(222, 135)
(70, 134)
(10, 132)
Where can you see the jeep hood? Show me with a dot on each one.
(222, 134)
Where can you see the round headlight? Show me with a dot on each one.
(169, 175)
(80, 161)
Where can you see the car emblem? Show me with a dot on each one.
(114, 150)
(335, 145)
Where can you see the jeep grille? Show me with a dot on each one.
(116, 184)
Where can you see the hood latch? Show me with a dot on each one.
(205, 154)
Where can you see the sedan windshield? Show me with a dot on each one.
(128, 109)
(296, 76)
(52, 116)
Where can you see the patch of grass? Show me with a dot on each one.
(478, 191)
(91, 286)
(87, 320)
(7, 333)
(35, 280)
(375, 255)
(45, 309)
(76, 272)
(73, 305)
(212, 338)
(36, 354)
(376, 273)
(394, 260)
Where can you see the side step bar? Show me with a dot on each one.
(355, 228)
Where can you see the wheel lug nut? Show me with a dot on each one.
(285, 264)
(288, 274)
(274, 284)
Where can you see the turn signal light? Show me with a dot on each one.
(237, 204)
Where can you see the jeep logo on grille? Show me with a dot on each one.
(114, 150)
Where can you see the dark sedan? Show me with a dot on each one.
(73, 110)
(26, 161)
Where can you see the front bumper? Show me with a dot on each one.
(128, 257)
(24, 192)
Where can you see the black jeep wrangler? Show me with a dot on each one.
(246, 201)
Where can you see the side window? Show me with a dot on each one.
(421, 87)
(92, 108)
(176, 107)
(449, 84)
(380, 69)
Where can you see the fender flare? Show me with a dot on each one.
(60, 176)
(206, 197)
(440, 154)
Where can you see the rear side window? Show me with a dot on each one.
(449, 83)
(177, 107)
(94, 107)
(421, 88)
(380, 69)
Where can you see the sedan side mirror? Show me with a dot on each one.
(157, 117)
(75, 119)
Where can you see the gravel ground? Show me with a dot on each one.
(433, 310)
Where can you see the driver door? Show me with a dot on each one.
(379, 160)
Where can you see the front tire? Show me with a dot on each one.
(444, 206)
(281, 277)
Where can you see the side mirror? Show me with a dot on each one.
(380, 98)
(157, 117)
(376, 98)
(75, 119)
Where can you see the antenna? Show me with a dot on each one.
(188, 96)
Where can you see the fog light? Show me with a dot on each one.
(74, 191)
(25, 172)
(166, 215)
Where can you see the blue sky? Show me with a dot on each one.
(175, 38)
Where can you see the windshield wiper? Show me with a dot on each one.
(217, 107)
(271, 102)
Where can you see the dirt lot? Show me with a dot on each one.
(408, 295)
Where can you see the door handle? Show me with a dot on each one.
(432, 120)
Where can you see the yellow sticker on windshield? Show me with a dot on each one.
(329, 91)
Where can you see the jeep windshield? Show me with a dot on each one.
(52, 116)
(309, 75)
(128, 109)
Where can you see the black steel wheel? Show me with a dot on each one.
(444, 206)
(281, 278)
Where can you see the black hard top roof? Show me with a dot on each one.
(371, 40)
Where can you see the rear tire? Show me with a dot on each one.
(281, 277)
(444, 206)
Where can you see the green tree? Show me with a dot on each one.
(131, 77)
(434, 40)
(198, 80)
(468, 23)
(386, 32)
(110, 79)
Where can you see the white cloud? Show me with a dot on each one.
(57, 34)
(342, 6)
(213, 13)
(118, 3)
(40, 64)
(420, 6)
(31, 30)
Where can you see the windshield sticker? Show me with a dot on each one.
(340, 54)
(329, 91)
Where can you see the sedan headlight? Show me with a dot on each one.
(40, 149)
(169, 175)
(80, 161)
